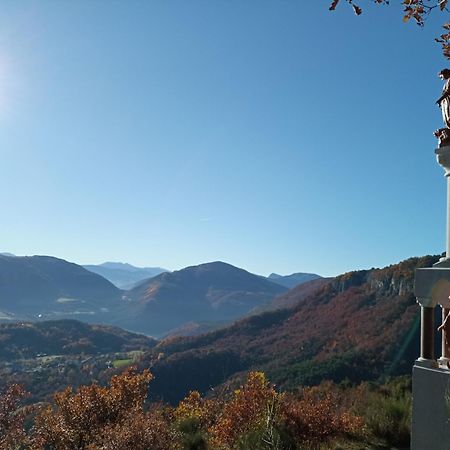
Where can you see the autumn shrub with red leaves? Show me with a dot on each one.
(96, 417)
(12, 418)
(315, 417)
(116, 417)
(139, 431)
(244, 412)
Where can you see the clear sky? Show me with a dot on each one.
(271, 134)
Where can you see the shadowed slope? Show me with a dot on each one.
(45, 285)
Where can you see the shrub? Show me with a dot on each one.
(12, 418)
(389, 418)
(316, 417)
(140, 431)
(244, 413)
(81, 419)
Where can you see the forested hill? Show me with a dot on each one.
(66, 337)
(362, 325)
(33, 286)
(214, 291)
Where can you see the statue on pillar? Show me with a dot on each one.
(443, 134)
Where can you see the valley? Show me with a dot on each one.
(353, 335)
(361, 325)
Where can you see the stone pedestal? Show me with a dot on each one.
(431, 412)
(431, 378)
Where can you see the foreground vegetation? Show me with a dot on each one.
(254, 417)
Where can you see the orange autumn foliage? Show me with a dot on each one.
(316, 417)
(245, 411)
(12, 418)
(106, 418)
(204, 411)
(116, 417)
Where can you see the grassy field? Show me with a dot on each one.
(122, 363)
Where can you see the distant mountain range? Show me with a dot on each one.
(362, 325)
(188, 301)
(33, 287)
(123, 275)
(290, 281)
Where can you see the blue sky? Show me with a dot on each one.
(274, 135)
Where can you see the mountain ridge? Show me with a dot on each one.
(214, 291)
(290, 281)
(32, 286)
(361, 325)
(124, 275)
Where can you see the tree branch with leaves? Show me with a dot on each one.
(416, 10)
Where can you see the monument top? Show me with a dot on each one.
(443, 134)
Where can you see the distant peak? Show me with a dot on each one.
(117, 265)
(213, 265)
(216, 263)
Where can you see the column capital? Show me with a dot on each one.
(432, 285)
(426, 302)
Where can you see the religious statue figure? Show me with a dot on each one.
(443, 134)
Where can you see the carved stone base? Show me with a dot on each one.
(443, 135)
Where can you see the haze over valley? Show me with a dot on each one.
(195, 298)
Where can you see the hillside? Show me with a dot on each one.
(122, 275)
(66, 337)
(361, 325)
(209, 292)
(47, 287)
(296, 295)
(46, 357)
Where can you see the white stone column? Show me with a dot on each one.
(443, 158)
(427, 331)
